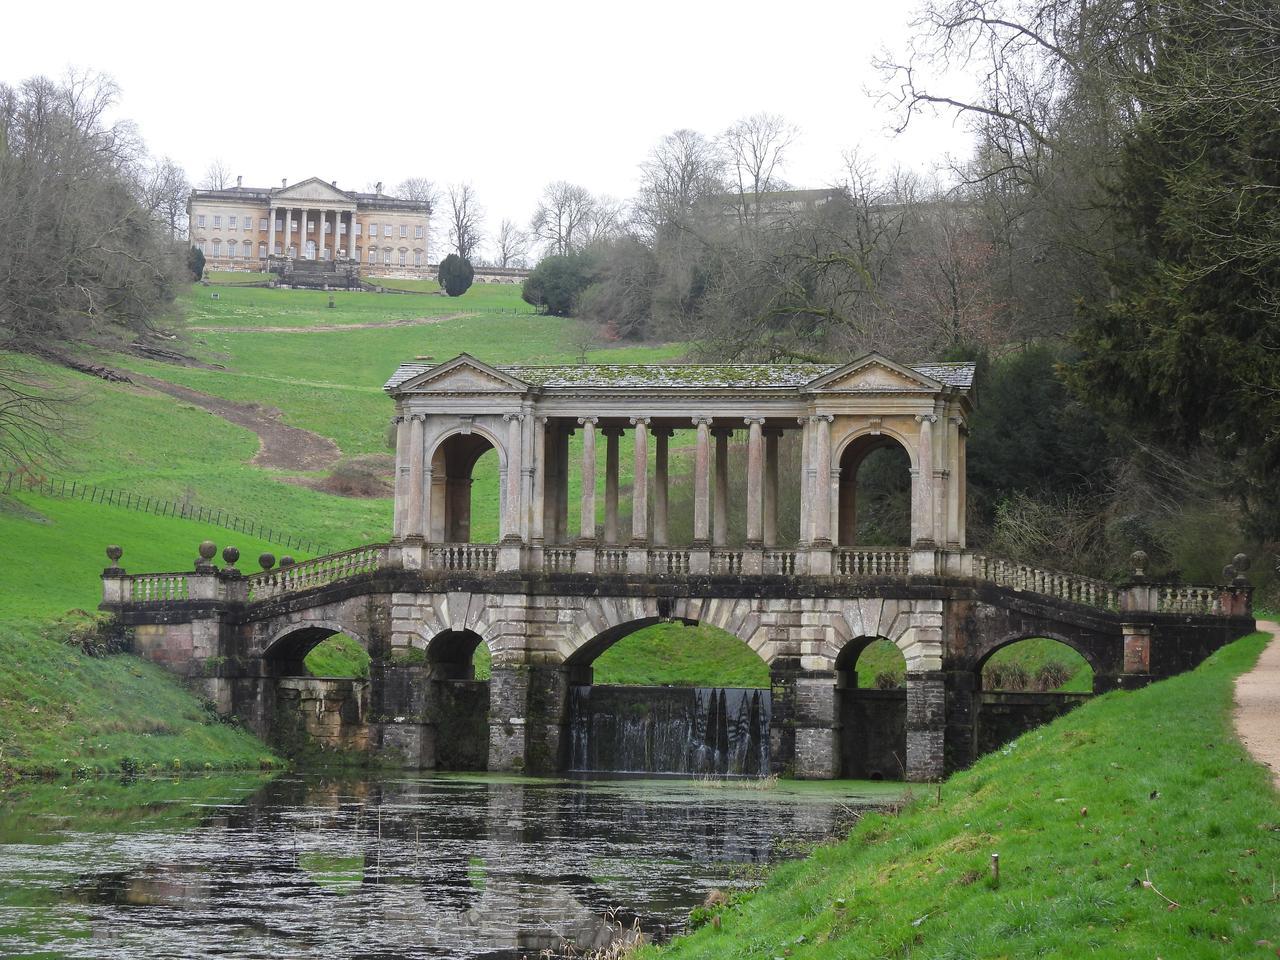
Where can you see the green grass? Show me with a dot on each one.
(63, 712)
(1150, 786)
(339, 656)
(1034, 653)
(671, 653)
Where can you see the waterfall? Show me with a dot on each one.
(695, 731)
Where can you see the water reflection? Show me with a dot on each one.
(397, 867)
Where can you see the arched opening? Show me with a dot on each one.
(667, 696)
(459, 700)
(875, 493)
(456, 499)
(310, 713)
(871, 700)
(1024, 682)
(286, 656)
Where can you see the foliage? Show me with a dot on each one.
(557, 282)
(455, 275)
(195, 262)
(1131, 794)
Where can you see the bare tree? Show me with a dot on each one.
(561, 216)
(605, 220)
(683, 171)
(465, 217)
(164, 191)
(512, 245)
(217, 176)
(419, 190)
(756, 147)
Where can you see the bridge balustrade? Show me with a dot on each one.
(317, 572)
(780, 562)
(668, 562)
(1051, 583)
(463, 557)
(856, 562)
(1186, 599)
(158, 588)
(558, 560)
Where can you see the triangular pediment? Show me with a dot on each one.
(463, 374)
(312, 188)
(872, 373)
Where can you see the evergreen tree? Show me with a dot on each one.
(455, 275)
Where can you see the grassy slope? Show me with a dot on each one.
(1132, 786)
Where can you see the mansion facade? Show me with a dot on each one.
(242, 228)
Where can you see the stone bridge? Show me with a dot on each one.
(547, 599)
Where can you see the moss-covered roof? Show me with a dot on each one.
(674, 376)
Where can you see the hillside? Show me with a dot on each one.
(1133, 827)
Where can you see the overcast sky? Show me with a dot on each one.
(506, 95)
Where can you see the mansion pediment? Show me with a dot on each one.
(314, 190)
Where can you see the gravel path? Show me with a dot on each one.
(339, 327)
(1258, 704)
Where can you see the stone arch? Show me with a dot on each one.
(1080, 646)
(848, 459)
(846, 662)
(287, 646)
(869, 618)
(452, 459)
(454, 613)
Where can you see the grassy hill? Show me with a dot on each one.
(1133, 827)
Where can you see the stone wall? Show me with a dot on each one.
(333, 712)
(1002, 716)
(873, 734)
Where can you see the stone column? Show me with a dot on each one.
(661, 488)
(562, 486)
(401, 509)
(702, 482)
(962, 467)
(820, 498)
(817, 752)
(926, 693)
(508, 708)
(414, 525)
(640, 483)
(720, 520)
(538, 495)
(271, 230)
(755, 481)
(611, 435)
(771, 486)
(806, 480)
(288, 231)
(587, 521)
(509, 554)
(923, 537)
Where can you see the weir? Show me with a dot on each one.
(692, 731)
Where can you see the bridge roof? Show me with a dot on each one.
(794, 376)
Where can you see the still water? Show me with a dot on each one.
(385, 867)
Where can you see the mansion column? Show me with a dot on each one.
(771, 436)
(661, 488)
(640, 483)
(611, 435)
(720, 519)
(288, 230)
(271, 230)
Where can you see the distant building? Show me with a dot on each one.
(776, 205)
(242, 228)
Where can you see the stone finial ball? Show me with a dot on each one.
(230, 555)
(1228, 573)
(1139, 560)
(1241, 562)
(266, 561)
(114, 552)
(286, 561)
(207, 549)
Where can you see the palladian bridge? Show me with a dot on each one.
(556, 586)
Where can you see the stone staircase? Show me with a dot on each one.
(318, 274)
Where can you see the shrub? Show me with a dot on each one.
(1052, 675)
(888, 680)
(359, 477)
(195, 262)
(455, 275)
(94, 636)
(556, 283)
(1006, 676)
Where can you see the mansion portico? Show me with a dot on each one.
(240, 228)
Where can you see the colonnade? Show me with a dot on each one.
(343, 226)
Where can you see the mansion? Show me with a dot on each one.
(240, 228)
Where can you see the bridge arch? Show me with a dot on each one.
(1079, 645)
(287, 647)
(850, 456)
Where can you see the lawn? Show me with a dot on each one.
(1135, 826)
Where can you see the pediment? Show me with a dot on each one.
(873, 373)
(312, 189)
(462, 374)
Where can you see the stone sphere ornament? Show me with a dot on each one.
(207, 550)
(266, 561)
(1241, 562)
(230, 555)
(1228, 573)
(286, 561)
(114, 553)
(1139, 560)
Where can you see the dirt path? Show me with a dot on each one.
(280, 446)
(1258, 705)
(338, 327)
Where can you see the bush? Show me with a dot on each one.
(1006, 676)
(556, 283)
(195, 262)
(455, 275)
(888, 680)
(94, 636)
(1052, 675)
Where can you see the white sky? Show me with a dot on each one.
(506, 95)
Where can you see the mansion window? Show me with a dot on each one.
(404, 231)
(262, 251)
(403, 258)
(277, 250)
(231, 249)
(200, 220)
(417, 256)
(373, 255)
(357, 229)
(386, 229)
(417, 233)
(217, 223)
(248, 223)
(373, 229)
(386, 258)
(217, 248)
(231, 223)
(262, 224)
(328, 227)
(279, 224)
(328, 253)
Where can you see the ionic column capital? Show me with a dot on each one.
(926, 418)
(513, 416)
(637, 421)
(750, 420)
(396, 421)
(820, 417)
(420, 417)
(583, 421)
(702, 421)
